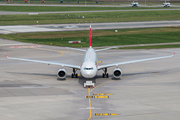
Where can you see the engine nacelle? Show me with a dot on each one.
(117, 73)
(61, 73)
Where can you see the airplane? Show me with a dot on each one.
(166, 4)
(134, 4)
(89, 67)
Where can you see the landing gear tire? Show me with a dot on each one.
(107, 75)
(103, 75)
(74, 75)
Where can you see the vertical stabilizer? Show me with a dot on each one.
(90, 37)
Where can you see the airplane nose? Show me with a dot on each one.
(88, 74)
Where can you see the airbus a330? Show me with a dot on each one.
(89, 67)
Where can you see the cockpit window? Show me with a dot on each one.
(88, 68)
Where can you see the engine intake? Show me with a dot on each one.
(117, 73)
(61, 73)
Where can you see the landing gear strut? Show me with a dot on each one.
(105, 74)
(74, 75)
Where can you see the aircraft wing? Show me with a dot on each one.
(104, 49)
(76, 49)
(132, 61)
(46, 62)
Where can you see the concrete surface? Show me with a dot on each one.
(31, 91)
(22, 29)
(85, 26)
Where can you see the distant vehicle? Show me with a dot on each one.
(89, 66)
(134, 4)
(166, 4)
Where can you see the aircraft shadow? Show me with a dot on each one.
(82, 80)
(33, 74)
(140, 73)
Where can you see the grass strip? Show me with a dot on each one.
(126, 16)
(101, 37)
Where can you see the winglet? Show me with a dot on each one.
(174, 53)
(6, 55)
(90, 36)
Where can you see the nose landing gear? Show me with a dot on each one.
(74, 75)
(105, 74)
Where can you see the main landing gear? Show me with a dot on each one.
(105, 74)
(74, 75)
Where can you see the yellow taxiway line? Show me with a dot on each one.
(89, 105)
(101, 84)
(62, 53)
(89, 91)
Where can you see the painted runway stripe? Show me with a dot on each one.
(25, 46)
(103, 94)
(96, 96)
(105, 114)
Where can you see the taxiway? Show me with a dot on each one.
(85, 26)
(147, 90)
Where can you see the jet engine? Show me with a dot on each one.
(61, 73)
(117, 73)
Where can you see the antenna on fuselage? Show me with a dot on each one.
(90, 37)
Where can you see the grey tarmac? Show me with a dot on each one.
(85, 26)
(31, 91)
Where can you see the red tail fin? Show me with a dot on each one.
(90, 36)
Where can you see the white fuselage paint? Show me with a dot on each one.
(89, 67)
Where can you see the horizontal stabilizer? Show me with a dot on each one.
(105, 49)
(76, 49)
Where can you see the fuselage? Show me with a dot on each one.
(89, 67)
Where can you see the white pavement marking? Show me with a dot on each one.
(24, 28)
(14, 44)
(5, 32)
(26, 46)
